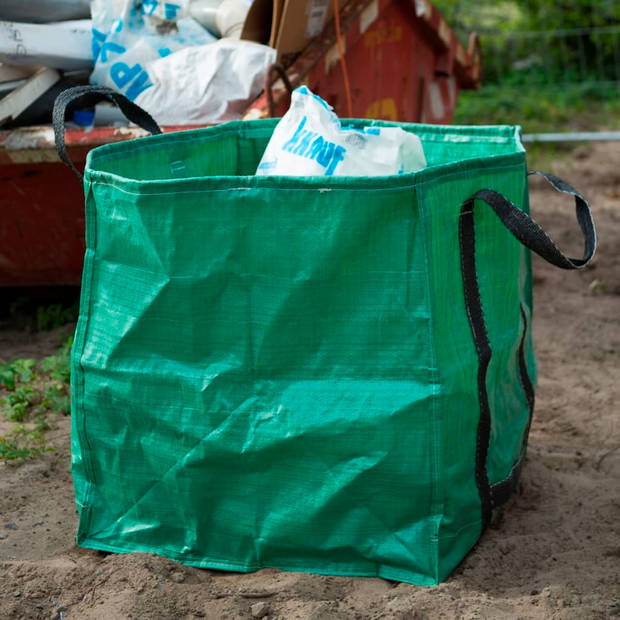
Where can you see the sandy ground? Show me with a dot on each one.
(555, 553)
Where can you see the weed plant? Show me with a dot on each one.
(29, 394)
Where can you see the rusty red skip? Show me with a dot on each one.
(404, 64)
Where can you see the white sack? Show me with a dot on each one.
(166, 62)
(205, 84)
(310, 141)
(129, 34)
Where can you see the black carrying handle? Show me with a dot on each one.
(89, 96)
(530, 234)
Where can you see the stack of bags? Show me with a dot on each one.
(181, 60)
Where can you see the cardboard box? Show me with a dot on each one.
(287, 25)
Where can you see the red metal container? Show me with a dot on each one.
(404, 64)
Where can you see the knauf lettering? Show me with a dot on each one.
(122, 74)
(310, 140)
(135, 78)
(311, 145)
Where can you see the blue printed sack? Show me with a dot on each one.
(158, 56)
(309, 140)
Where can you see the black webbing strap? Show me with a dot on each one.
(530, 234)
(501, 491)
(88, 96)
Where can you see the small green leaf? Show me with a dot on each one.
(7, 376)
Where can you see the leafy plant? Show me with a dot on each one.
(23, 443)
(19, 369)
(29, 397)
(57, 398)
(7, 376)
(55, 315)
(18, 402)
(59, 366)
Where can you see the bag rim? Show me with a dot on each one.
(504, 134)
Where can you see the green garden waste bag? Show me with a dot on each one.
(332, 375)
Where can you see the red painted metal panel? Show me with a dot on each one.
(391, 68)
(404, 64)
(403, 60)
(42, 230)
(42, 205)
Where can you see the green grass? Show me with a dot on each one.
(538, 108)
(30, 393)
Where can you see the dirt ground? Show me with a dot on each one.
(555, 553)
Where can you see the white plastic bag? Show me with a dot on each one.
(165, 61)
(207, 83)
(310, 141)
(129, 34)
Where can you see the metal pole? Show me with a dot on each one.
(571, 136)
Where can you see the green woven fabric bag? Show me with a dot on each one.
(331, 375)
